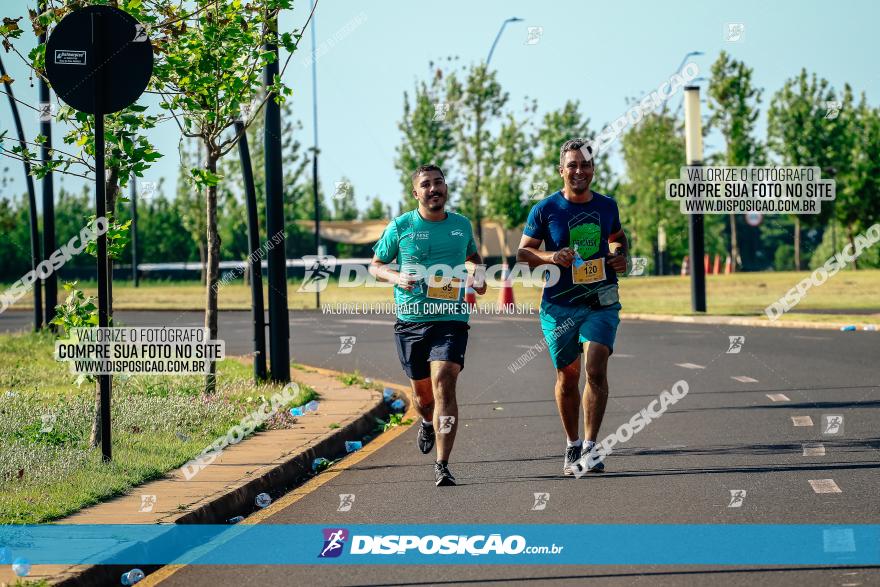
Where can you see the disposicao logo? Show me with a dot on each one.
(334, 540)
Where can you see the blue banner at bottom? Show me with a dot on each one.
(422, 544)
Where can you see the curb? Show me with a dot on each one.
(277, 482)
(733, 320)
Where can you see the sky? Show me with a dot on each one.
(600, 53)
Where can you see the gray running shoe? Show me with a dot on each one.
(598, 466)
(572, 454)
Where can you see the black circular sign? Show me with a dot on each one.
(99, 56)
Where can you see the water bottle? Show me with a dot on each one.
(296, 411)
(398, 405)
(312, 406)
(388, 394)
(236, 519)
(578, 260)
(132, 577)
(21, 567)
(353, 445)
(847, 328)
(263, 500)
(871, 327)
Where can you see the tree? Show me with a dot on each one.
(653, 151)
(209, 67)
(427, 134)
(127, 151)
(190, 204)
(734, 101)
(558, 126)
(344, 206)
(475, 105)
(801, 133)
(297, 194)
(857, 203)
(376, 210)
(504, 189)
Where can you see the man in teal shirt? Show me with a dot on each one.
(431, 246)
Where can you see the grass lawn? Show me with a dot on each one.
(740, 294)
(159, 423)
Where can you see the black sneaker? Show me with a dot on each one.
(425, 440)
(572, 454)
(444, 477)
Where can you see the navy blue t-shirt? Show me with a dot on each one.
(560, 223)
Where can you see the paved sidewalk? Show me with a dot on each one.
(744, 321)
(270, 461)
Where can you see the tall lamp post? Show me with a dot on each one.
(693, 146)
(478, 216)
(498, 36)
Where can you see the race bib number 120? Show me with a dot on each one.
(589, 272)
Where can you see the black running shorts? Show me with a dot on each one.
(419, 343)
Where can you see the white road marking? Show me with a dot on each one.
(814, 450)
(802, 420)
(744, 379)
(825, 486)
(689, 366)
(777, 397)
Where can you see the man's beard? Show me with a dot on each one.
(433, 207)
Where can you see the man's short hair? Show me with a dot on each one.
(424, 168)
(574, 145)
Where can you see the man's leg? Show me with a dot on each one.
(444, 375)
(596, 392)
(568, 398)
(423, 398)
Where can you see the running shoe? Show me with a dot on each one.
(572, 454)
(425, 439)
(598, 466)
(444, 477)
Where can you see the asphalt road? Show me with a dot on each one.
(726, 434)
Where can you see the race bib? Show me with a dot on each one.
(448, 290)
(589, 272)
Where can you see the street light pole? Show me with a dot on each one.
(498, 36)
(478, 202)
(693, 141)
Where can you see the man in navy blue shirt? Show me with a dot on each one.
(581, 233)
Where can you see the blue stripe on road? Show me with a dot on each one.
(278, 544)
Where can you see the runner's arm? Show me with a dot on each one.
(477, 260)
(530, 253)
(618, 248)
(381, 271)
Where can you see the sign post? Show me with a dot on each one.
(99, 60)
